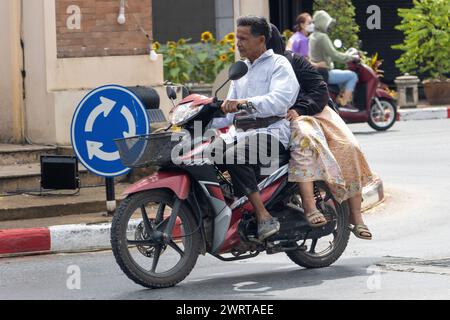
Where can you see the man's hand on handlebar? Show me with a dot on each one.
(232, 105)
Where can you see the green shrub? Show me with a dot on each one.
(426, 48)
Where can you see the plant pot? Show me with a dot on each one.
(437, 92)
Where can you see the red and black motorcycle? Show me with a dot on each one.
(188, 208)
(370, 103)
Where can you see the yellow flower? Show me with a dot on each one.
(230, 37)
(171, 44)
(222, 42)
(207, 36)
(156, 45)
(173, 64)
(223, 57)
(181, 41)
(287, 33)
(232, 49)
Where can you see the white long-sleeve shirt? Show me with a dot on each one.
(271, 85)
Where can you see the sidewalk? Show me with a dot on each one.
(88, 232)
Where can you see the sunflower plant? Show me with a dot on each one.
(177, 68)
(197, 62)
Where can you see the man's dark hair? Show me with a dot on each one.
(258, 26)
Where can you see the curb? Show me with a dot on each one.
(62, 238)
(85, 237)
(423, 114)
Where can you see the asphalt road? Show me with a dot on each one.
(409, 257)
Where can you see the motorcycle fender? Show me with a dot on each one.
(178, 182)
(383, 94)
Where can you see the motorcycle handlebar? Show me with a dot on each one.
(242, 107)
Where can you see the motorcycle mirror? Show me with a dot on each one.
(337, 43)
(171, 93)
(237, 70)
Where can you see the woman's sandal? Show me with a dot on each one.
(314, 215)
(361, 231)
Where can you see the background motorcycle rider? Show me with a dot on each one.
(321, 49)
(271, 86)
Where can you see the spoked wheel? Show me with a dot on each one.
(324, 251)
(382, 117)
(141, 241)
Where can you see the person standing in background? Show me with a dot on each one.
(299, 42)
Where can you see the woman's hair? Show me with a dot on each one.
(301, 18)
(276, 41)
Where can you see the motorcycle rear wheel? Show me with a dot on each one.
(130, 254)
(309, 258)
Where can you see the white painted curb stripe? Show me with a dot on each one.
(424, 114)
(83, 237)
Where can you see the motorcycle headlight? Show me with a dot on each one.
(183, 113)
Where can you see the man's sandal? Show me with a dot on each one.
(316, 215)
(361, 231)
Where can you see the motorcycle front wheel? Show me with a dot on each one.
(383, 118)
(142, 252)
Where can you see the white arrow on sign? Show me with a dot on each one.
(94, 149)
(131, 123)
(104, 107)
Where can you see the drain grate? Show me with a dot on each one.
(435, 266)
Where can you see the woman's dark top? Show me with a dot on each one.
(313, 95)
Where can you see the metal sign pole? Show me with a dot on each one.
(110, 196)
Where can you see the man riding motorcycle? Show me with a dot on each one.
(271, 87)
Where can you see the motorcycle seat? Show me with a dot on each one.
(148, 96)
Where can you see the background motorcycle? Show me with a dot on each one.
(370, 103)
(188, 209)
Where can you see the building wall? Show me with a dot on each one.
(11, 89)
(54, 86)
(89, 28)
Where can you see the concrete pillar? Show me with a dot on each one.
(39, 102)
(251, 7)
(11, 90)
(224, 18)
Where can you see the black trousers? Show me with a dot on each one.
(247, 159)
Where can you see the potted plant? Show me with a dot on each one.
(426, 46)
